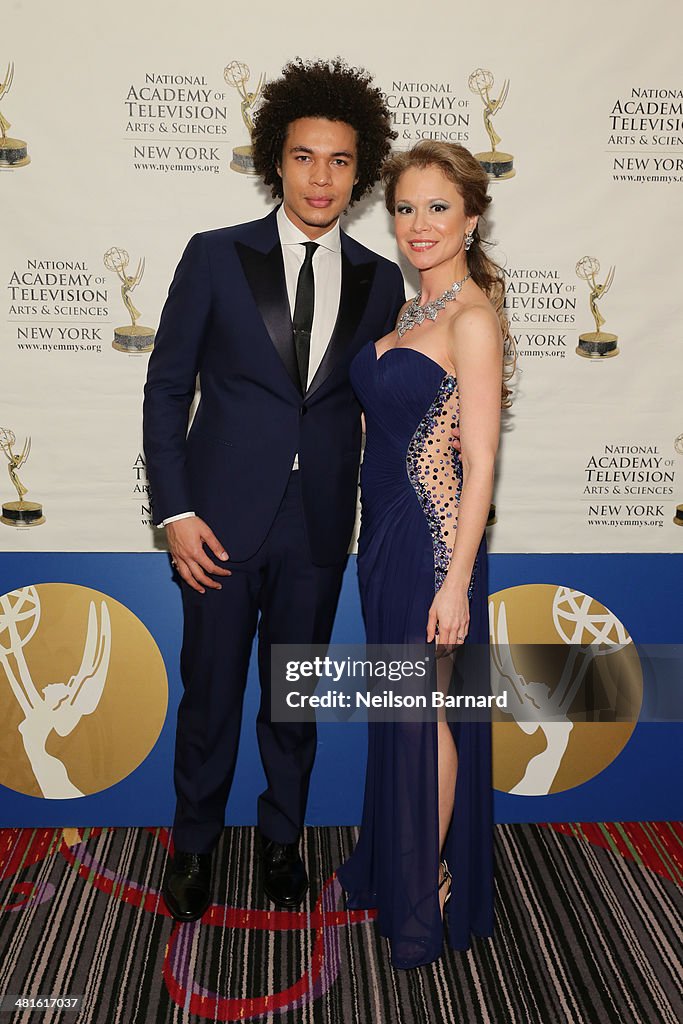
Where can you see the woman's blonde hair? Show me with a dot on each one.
(471, 181)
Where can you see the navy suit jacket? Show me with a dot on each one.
(227, 318)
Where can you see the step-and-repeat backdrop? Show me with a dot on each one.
(125, 129)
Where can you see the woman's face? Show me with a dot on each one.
(429, 218)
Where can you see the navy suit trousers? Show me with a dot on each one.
(280, 592)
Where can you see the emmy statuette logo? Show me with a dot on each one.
(497, 165)
(678, 517)
(13, 152)
(83, 691)
(574, 685)
(133, 338)
(18, 513)
(597, 344)
(237, 75)
(60, 706)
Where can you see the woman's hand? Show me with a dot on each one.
(450, 613)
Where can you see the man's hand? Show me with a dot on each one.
(186, 538)
(455, 439)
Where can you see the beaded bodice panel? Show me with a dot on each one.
(435, 470)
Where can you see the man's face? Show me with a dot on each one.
(318, 170)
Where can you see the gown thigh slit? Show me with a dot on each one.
(440, 738)
(411, 480)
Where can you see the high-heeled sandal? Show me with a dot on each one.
(447, 878)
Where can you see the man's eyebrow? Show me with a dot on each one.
(307, 149)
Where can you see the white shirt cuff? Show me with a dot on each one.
(172, 519)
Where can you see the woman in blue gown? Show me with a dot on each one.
(425, 851)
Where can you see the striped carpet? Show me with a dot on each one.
(588, 929)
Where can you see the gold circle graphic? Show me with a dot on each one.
(83, 691)
(545, 637)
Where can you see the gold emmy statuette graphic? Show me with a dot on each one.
(18, 513)
(596, 344)
(678, 517)
(237, 75)
(574, 684)
(492, 518)
(13, 152)
(497, 165)
(60, 706)
(134, 338)
(75, 718)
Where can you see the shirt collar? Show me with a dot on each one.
(290, 234)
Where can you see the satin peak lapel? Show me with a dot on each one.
(265, 273)
(355, 288)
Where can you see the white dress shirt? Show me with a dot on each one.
(327, 282)
(326, 275)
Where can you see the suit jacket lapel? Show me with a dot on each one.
(265, 273)
(356, 281)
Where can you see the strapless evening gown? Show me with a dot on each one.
(411, 478)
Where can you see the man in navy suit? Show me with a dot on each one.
(258, 500)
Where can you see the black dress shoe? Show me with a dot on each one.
(285, 881)
(186, 889)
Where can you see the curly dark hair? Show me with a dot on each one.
(329, 89)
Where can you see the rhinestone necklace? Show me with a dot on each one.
(415, 314)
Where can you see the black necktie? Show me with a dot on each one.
(302, 321)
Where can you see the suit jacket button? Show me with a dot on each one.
(303, 410)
